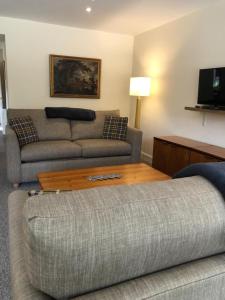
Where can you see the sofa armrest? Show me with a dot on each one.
(21, 289)
(13, 158)
(134, 137)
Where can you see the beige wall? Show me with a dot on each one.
(2, 57)
(28, 45)
(172, 55)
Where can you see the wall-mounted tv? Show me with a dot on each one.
(211, 91)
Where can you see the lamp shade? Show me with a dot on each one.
(140, 86)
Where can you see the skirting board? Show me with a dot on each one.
(146, 158)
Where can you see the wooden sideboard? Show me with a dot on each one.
(172, 153)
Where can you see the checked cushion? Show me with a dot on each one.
(25, 130)
(115, 128)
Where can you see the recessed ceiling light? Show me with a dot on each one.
(88, 9)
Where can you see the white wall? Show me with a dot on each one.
(28, 45)
(172, 55)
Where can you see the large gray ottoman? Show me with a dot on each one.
(160, 241)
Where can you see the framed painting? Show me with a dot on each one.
(75, 77)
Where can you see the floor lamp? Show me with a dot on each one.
(139, 86)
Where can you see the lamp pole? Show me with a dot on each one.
(139, 86)
(138, 113)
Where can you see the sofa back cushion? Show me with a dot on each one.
(47, 129)
(81, 241)
(91, 129)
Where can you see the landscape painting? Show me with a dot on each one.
(75, 77)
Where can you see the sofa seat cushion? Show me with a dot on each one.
(104, 148)
(49, 150)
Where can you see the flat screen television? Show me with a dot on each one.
(211, 91)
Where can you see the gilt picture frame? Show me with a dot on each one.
(74, 77)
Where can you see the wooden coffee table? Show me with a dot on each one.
(78, 179)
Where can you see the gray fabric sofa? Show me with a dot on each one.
(66, 144)
(159, 241)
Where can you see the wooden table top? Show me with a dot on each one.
(77, 179)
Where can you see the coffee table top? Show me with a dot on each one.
(77, 179)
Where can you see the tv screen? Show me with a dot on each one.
(211, 90)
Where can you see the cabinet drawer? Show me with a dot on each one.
(178, 159)
(171, 153)
(161, 152)
(169, 158)
(197, 157)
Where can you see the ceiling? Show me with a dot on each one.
(122, 16)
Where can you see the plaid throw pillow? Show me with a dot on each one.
(24, 129)
(115, 128)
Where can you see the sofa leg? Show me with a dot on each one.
(15, 185)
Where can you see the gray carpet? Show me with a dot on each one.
(5, 189)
